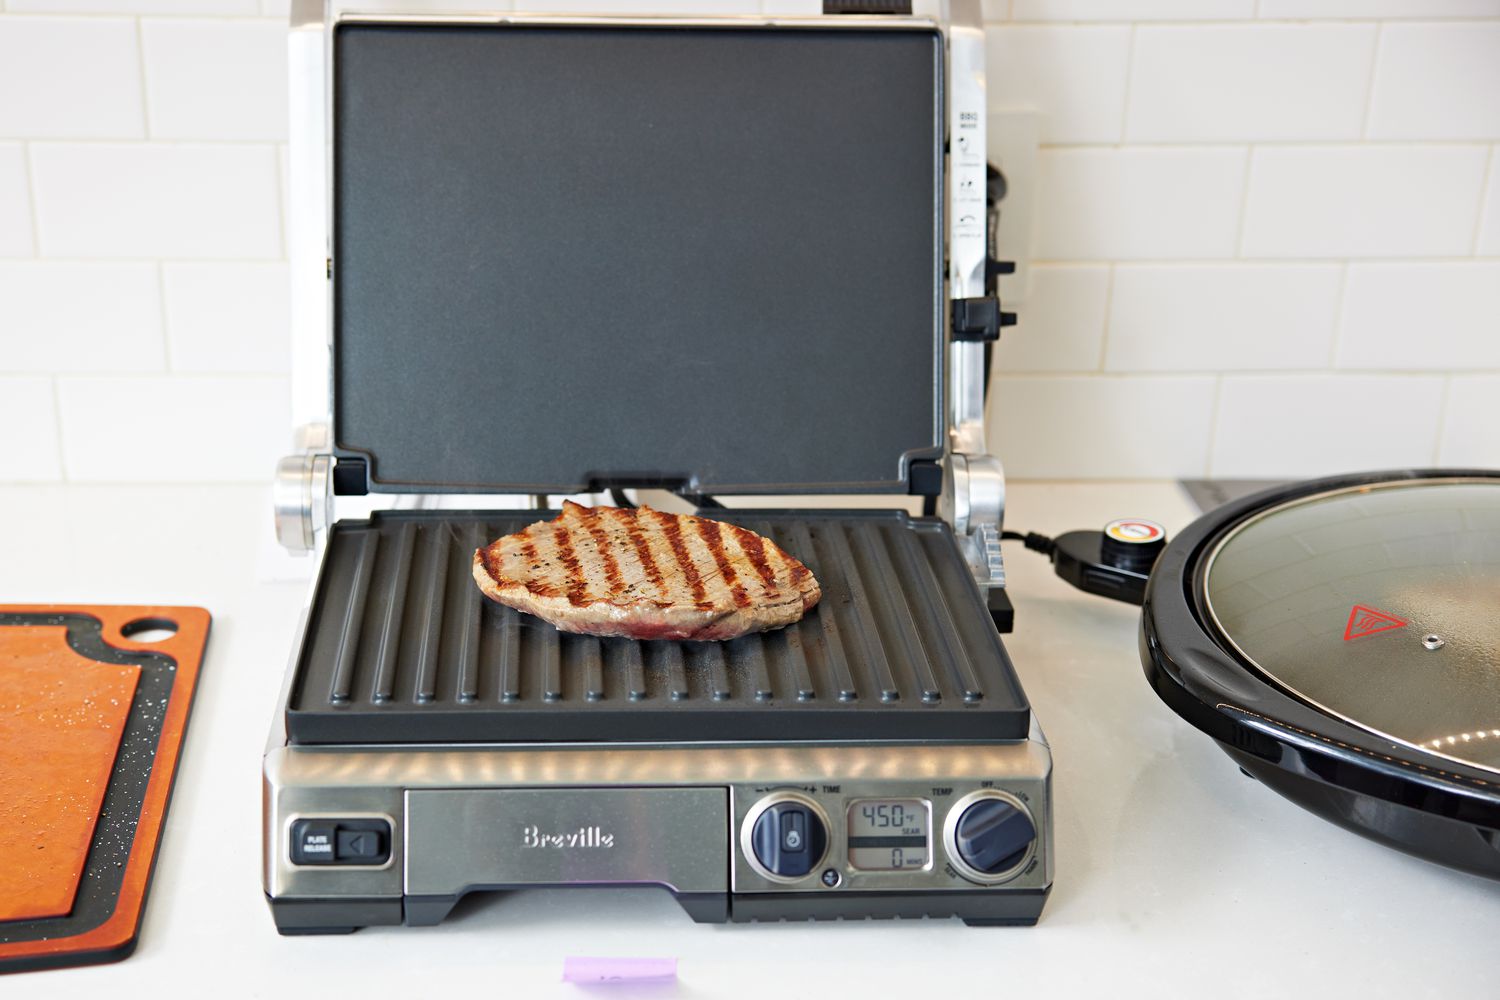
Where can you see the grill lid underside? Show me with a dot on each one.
(402, 647)
(685, 256)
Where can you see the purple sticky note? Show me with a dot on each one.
(619, 970)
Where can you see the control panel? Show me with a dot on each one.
(733, 832)
(876, 837)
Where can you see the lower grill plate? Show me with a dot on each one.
(402, 647)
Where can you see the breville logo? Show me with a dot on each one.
(584, 836)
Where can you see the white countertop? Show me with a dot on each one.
(1176, 876)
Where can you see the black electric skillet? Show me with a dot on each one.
(1340, 639)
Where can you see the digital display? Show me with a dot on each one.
(888, 835)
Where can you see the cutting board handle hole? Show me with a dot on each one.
(149, 629)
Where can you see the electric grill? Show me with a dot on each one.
(538, 256)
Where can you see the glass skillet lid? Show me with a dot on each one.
(1376, 604)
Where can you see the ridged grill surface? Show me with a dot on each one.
(402, 647)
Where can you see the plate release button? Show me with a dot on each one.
(313, 841)
(340, 842)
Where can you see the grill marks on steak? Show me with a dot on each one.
(645, 574)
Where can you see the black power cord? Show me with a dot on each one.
(1035, 542)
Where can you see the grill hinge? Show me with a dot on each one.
(302, 492)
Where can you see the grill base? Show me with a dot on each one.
(402, 647)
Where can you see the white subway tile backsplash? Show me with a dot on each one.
(1063, 427)
(1363, 201)
(1471, 425)
(143, 297)
(135, 200)
(15, 202)
(1367, 10)
(1414, 315)
(227, 317)
(173, 428)
(81, 317)
(221, 7)
(28, 431)
(1137, 10)
(216, 79)
(1224, 83)
(1274, 426)
(1060, 326)
(1075, 76)
(1437, 81)
(1221, 317)
(69, 78)
(1132, 203)
(1487, 243)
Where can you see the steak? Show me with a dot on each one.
(644, 574)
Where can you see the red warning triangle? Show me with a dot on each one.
(1365, 621)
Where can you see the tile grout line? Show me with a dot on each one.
(166, 328)
(1364, 131)
(29, 170)
(57, 424)
(140, 62)
(1442, 424)
(1135, 374)
(1213, 426)
(1338, 317)
(40, 13)
(177, 376)
(1257, 20)
(282, 153)
(1129, 77)
(1486, 196)
(1203, 145)
(209, 141)
(1239, 236)
(1292, 261)
(1109, 301)
(179, 258)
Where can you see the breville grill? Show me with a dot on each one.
(720, 256)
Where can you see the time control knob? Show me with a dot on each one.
(787, 837)
(990, 835)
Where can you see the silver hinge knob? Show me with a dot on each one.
(301, 498)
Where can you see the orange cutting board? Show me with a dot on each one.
(61, 718)
(90, 716)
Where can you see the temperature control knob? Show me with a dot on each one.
(990, 835)
(787, 837)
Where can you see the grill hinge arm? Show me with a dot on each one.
(973, 497)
